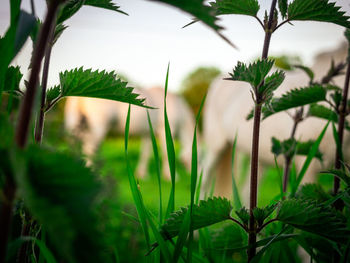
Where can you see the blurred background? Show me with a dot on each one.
(140, 46)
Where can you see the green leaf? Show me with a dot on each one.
(53, 93)
(340, 174)
(254, 73)
(243, 215)
(317, 10)
(58, 32)
(62, 198)
(271, 83)
(307, 70)
(322, 112)
(314, 218)
(97, 84)
(260, 214)
(68, 10)
(239, 7)
(313, 192)
(229, 236)
(294, 98)
(291, 147)
(202, 12)
(283, 6)
(12, 79)
(106, 4)
(208, 212)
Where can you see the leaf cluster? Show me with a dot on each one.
(206, 213)
(291, 147)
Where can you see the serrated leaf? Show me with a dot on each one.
(243, 215)
(97, 84)
(58, 32)
(294, 98)
(260, 214)
(254, 73)
(314, 218)
(239, 7)
(53, 93)
(206, 213)
(12, 79)
(271, 83)
(61, 198)
(105, 4)
(313, 192)
(283, 6)
(317, 10)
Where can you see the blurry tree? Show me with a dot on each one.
(196, 85)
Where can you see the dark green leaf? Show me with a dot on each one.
(106, 4)
(254, 73)
(239, 7)
(202, 12)
(271, 83)
(260, 214)
(58, 32)
(283, 6)
(290, 147)
(313, 192)
(53, 93)
(95, 84)
(317, 10)
(314, 218)
(68, 10)
(61, 198)
(208, 212)
(294, 98)
(12, 79)
(230, 236)
(320, 111)
(26, 24)
(243, 215)
(340, 174)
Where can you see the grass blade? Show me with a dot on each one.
(170, 151)
(198, 188)
(141, 210)
(337, 142)
(280, 176)
(156, 157)
(309, 157)
(235, 194)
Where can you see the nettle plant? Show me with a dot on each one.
(54, 193)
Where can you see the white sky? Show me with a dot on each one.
(141, 45)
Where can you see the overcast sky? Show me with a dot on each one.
(141, 45)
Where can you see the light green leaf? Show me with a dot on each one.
(317, 10)
(254, 73)
(239, 7)
(320, 111)
(340, 174)
(97, 84)
(307, 70)
(208, 212)
(314, 218)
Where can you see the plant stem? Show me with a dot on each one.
(39, 128)
(6, 216)
(28, 100)
(341, 122)
(255, 144)
(288, 160)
